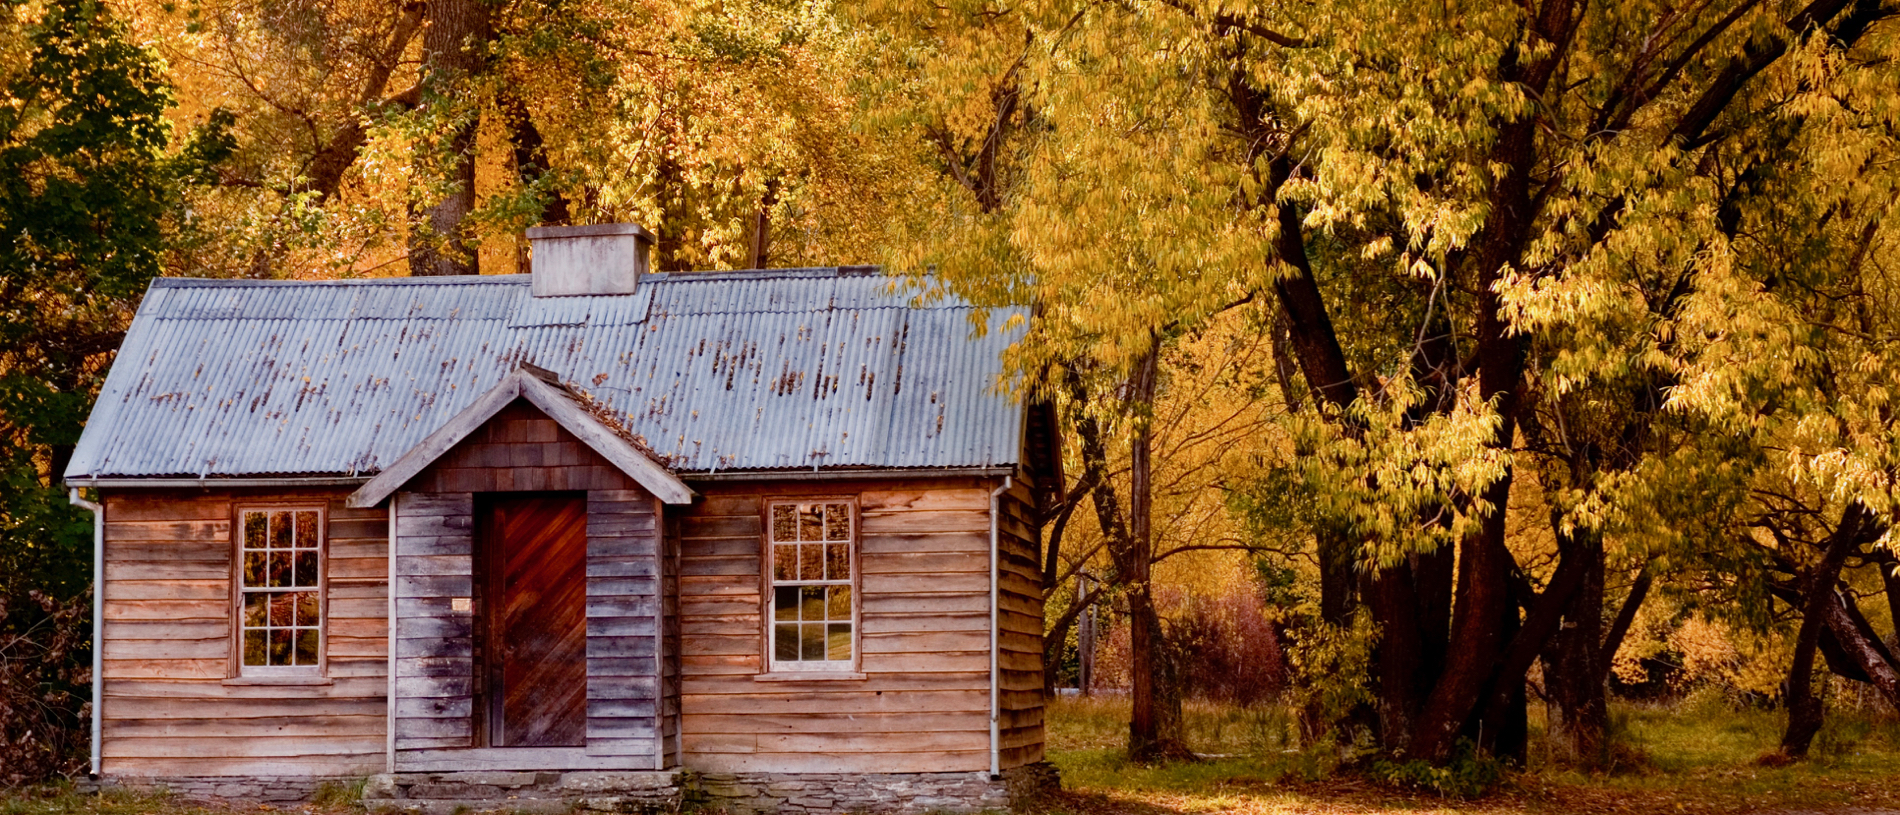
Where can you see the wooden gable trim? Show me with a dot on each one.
(539, 388)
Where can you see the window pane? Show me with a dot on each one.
(255, 643)
(785, 561)
(811, 561)
(280, 530)
(307, 529)
(283, 609)
(254, 568)
(256, 530)
(837, 561)
(838, 641)
(306, 567)
(785, 641)
(784, 523)
(307, 608)
(811, 603)
(810, 523)
(838, 603)
(837, 522)
(785, 603)
(279, 570)
(811, 641)
(306, 646)
(280, 646)
(254, 610)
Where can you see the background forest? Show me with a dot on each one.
(1417, 364)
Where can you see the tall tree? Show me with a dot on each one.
(1477, 233)
(457, 41)
(90, 182)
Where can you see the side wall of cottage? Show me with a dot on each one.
(1019, 630)
(923, 570)
(171, 707)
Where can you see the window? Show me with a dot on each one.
(813, 612)
(280, 591)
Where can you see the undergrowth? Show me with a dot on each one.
(1698, 749)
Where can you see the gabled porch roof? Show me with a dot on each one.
(544, 390)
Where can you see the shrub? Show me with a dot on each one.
(1225, 645)
(1470, 773)
(43, 674)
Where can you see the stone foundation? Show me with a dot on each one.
(269, 789)
(652, 793)
(896, 793)
(646, 793)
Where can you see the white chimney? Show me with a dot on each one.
(598, 259)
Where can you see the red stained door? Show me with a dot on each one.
(537, 619)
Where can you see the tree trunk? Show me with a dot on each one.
(1804, 708)
(1575, 689)
(458, 33)
(1154, 730)
(531, 159)
(760, 246)
(1412, 604)
(1154, 727)
(1861, 647)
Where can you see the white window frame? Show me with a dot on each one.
(239, 591)
(773, 665)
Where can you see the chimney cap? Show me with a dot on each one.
(589, 231)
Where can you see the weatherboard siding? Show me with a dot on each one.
(167, 708)
(1020, 626)
(923, 705)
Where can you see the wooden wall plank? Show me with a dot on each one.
(623, 626)
(167, 708)
(435, 646)
(1019, 635)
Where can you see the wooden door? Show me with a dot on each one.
(536, 643)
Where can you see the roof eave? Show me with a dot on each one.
(212, 482)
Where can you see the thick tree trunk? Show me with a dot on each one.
(1411, 603)
(531, 159)
(1817, 589)
(1571, 680)
(457, 34)
(1860, 645)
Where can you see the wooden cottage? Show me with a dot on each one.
(591, 534)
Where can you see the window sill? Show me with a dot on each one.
(290, 681)
(810, 676)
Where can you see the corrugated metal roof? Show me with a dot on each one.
(764, 370)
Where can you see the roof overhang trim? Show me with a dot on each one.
(163, 482)
(539, 388)
(808, 474)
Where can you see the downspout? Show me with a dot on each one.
(996, 733)
(98, 613)
(389, 724)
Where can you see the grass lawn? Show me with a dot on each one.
(1692, 757)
